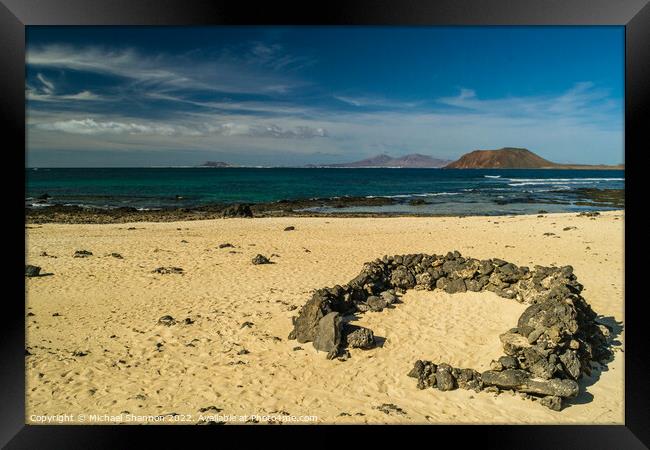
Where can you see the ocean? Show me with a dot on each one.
(443, 191)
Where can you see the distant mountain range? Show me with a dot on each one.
(408, 161)
(515, 158)
(503, 158)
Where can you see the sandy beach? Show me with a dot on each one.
(96, 347)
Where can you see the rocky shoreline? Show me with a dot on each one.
(59, 213)
(554, 343)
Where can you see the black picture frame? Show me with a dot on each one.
(15, 15)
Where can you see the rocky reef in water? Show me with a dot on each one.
(59, 213)
(552, 345)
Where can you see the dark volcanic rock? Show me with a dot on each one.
(553, 344)
(402, 278)
(360, 337)
(306, 324)
(328, 335)
(388, 297)
(508, 362)
(417, 369)
(291, 228)
(82, 253)
(261, 259)
(390, 408)
(445, 381)
(32, 271)
(520, 380)
(552, 402)
(237, 210)
(375, 303)
(168, 270)
(506, 379)
(167, 321)
(226, 245)
(457, 285)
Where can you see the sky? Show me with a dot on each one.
(174, 96)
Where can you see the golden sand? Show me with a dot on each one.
(109, 308)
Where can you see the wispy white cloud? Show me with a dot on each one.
(381, 102)
(34, 95)
(223, 74)
(275, 57)
(251, 106)
(90, 126)
(48, 86)
(582, 102)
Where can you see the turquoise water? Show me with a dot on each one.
(448, 191)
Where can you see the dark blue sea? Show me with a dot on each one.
(445, 191)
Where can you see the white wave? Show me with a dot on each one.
(492, 176)
(565, 179)
(551, 183)
(435, 194)
(427, 194)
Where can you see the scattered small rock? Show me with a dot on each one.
(291, 228)
(168, 270)
(32, 271)
(82, 254)
(261, 259)
(226, 245)
(210, 408)
(359, 337)
(167, 321)
(390, 408)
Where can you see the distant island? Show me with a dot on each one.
(503, 158)
(216, 164)
(414, 160)
(516, 158)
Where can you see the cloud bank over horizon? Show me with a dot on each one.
(293, 96)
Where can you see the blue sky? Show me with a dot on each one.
(149, 96)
